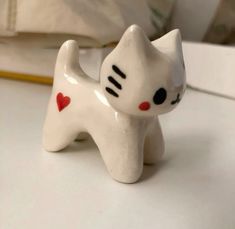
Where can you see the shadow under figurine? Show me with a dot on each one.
(139, 80)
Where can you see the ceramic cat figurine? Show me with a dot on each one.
(139, 80)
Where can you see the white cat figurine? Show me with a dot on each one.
(139, 80)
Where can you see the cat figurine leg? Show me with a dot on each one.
(121, 146)
(154, 143)
(59, 131)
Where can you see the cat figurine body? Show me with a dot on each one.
(139, 80)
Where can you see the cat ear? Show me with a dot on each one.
(134, 41)
(170, 44)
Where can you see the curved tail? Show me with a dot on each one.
(67, 63)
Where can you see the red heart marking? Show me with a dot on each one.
(62, 101)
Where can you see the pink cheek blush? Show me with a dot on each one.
(144, 106)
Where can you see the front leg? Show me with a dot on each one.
(154, 143)
(121, 148)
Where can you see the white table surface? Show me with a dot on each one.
(192, 187)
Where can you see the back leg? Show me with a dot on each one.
(154, 143)
(56, 138)
(58, 131)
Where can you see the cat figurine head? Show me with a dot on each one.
(144, 78)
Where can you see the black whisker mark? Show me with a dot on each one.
(114, 82)
(118, 71)
(111, 91)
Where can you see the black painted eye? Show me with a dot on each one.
(160, 96)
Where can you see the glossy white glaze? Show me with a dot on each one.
(119, 112)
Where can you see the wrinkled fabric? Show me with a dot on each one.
(99, 21)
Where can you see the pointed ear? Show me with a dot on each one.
(171, 44)
(135, 41)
